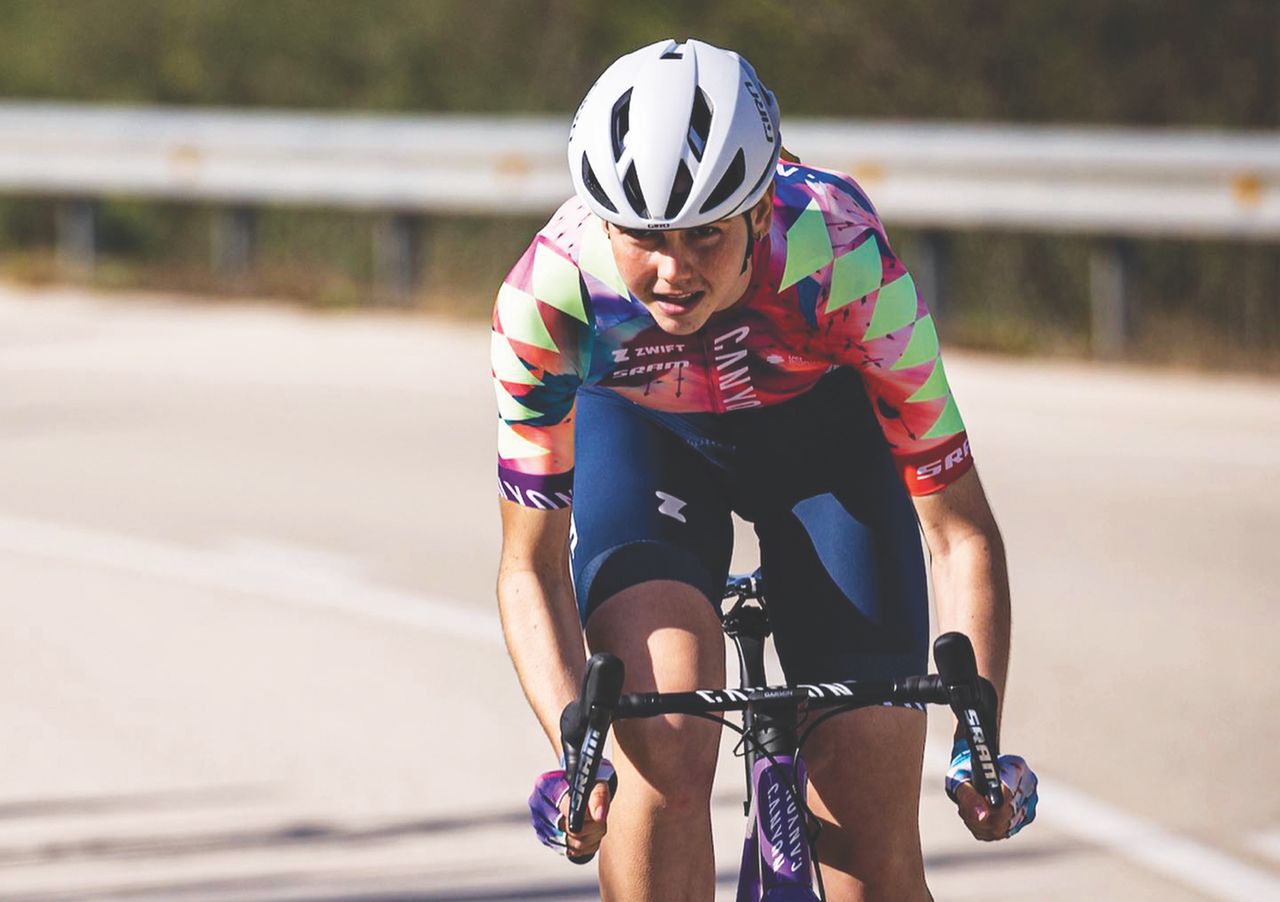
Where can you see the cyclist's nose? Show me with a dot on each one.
(673, 268)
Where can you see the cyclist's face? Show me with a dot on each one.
(683, 276)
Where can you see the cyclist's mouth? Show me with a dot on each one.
(674, 304)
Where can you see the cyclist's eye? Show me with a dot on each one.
(642, 235)
(704, 232)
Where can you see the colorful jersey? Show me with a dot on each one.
(826, 291)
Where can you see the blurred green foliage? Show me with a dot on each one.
(1138, 62)
(1145, 62)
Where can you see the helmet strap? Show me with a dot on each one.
(751, 242)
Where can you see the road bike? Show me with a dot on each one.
(780, 850)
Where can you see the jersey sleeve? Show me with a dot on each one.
(874, 319)
(540, 350)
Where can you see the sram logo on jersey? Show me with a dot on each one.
(658, 367)
(942, 464)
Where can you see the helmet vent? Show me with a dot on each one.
(680, 189)
(593, 185)
(768, 173)
(699, 124)
(631, 187)
(729, 182)
(673, 55)
(621, 122)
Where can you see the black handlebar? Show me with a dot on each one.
(850, 693)
(585, 722)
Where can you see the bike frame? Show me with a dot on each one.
(777, 856)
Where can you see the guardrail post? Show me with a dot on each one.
(396, 261)
(930, 269)
(234, 229)
(77, 241)
(1110, 316)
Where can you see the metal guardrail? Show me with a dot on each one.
(1110, 182)
(1166, 182)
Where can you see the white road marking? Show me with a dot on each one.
(249, 571)
(1266, 844)
(275, 556)
(1143, 842)
(1066, 810)
(1214, 873)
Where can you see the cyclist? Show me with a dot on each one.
(712, 327)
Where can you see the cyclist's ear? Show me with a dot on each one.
(762, 214)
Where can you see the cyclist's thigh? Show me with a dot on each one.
(864, 771)
(646, 506)
(651, 544)
(839, 541)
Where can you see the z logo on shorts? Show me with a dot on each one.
(671, 506)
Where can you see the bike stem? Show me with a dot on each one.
(773, 728)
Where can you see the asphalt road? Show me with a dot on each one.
(250, 648)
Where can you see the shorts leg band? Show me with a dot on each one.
(640, 561)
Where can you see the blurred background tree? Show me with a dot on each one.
(1141, 62)
(1187, 63)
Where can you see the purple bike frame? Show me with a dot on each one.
(776, 862)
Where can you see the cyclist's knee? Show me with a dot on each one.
(669, 639)
(673, 759)
(865, 776)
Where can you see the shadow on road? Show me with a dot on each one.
(338, 886)
(294, 834)
(204, 797)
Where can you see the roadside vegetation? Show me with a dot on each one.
(1183, 63)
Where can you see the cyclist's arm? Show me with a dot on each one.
(539, 616)
(971, 588)
(540, 353)
(970, 578)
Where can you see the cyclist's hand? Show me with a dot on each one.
(549, 807)
(581, 846)
(1020, 796)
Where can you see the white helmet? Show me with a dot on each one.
(673, 136)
